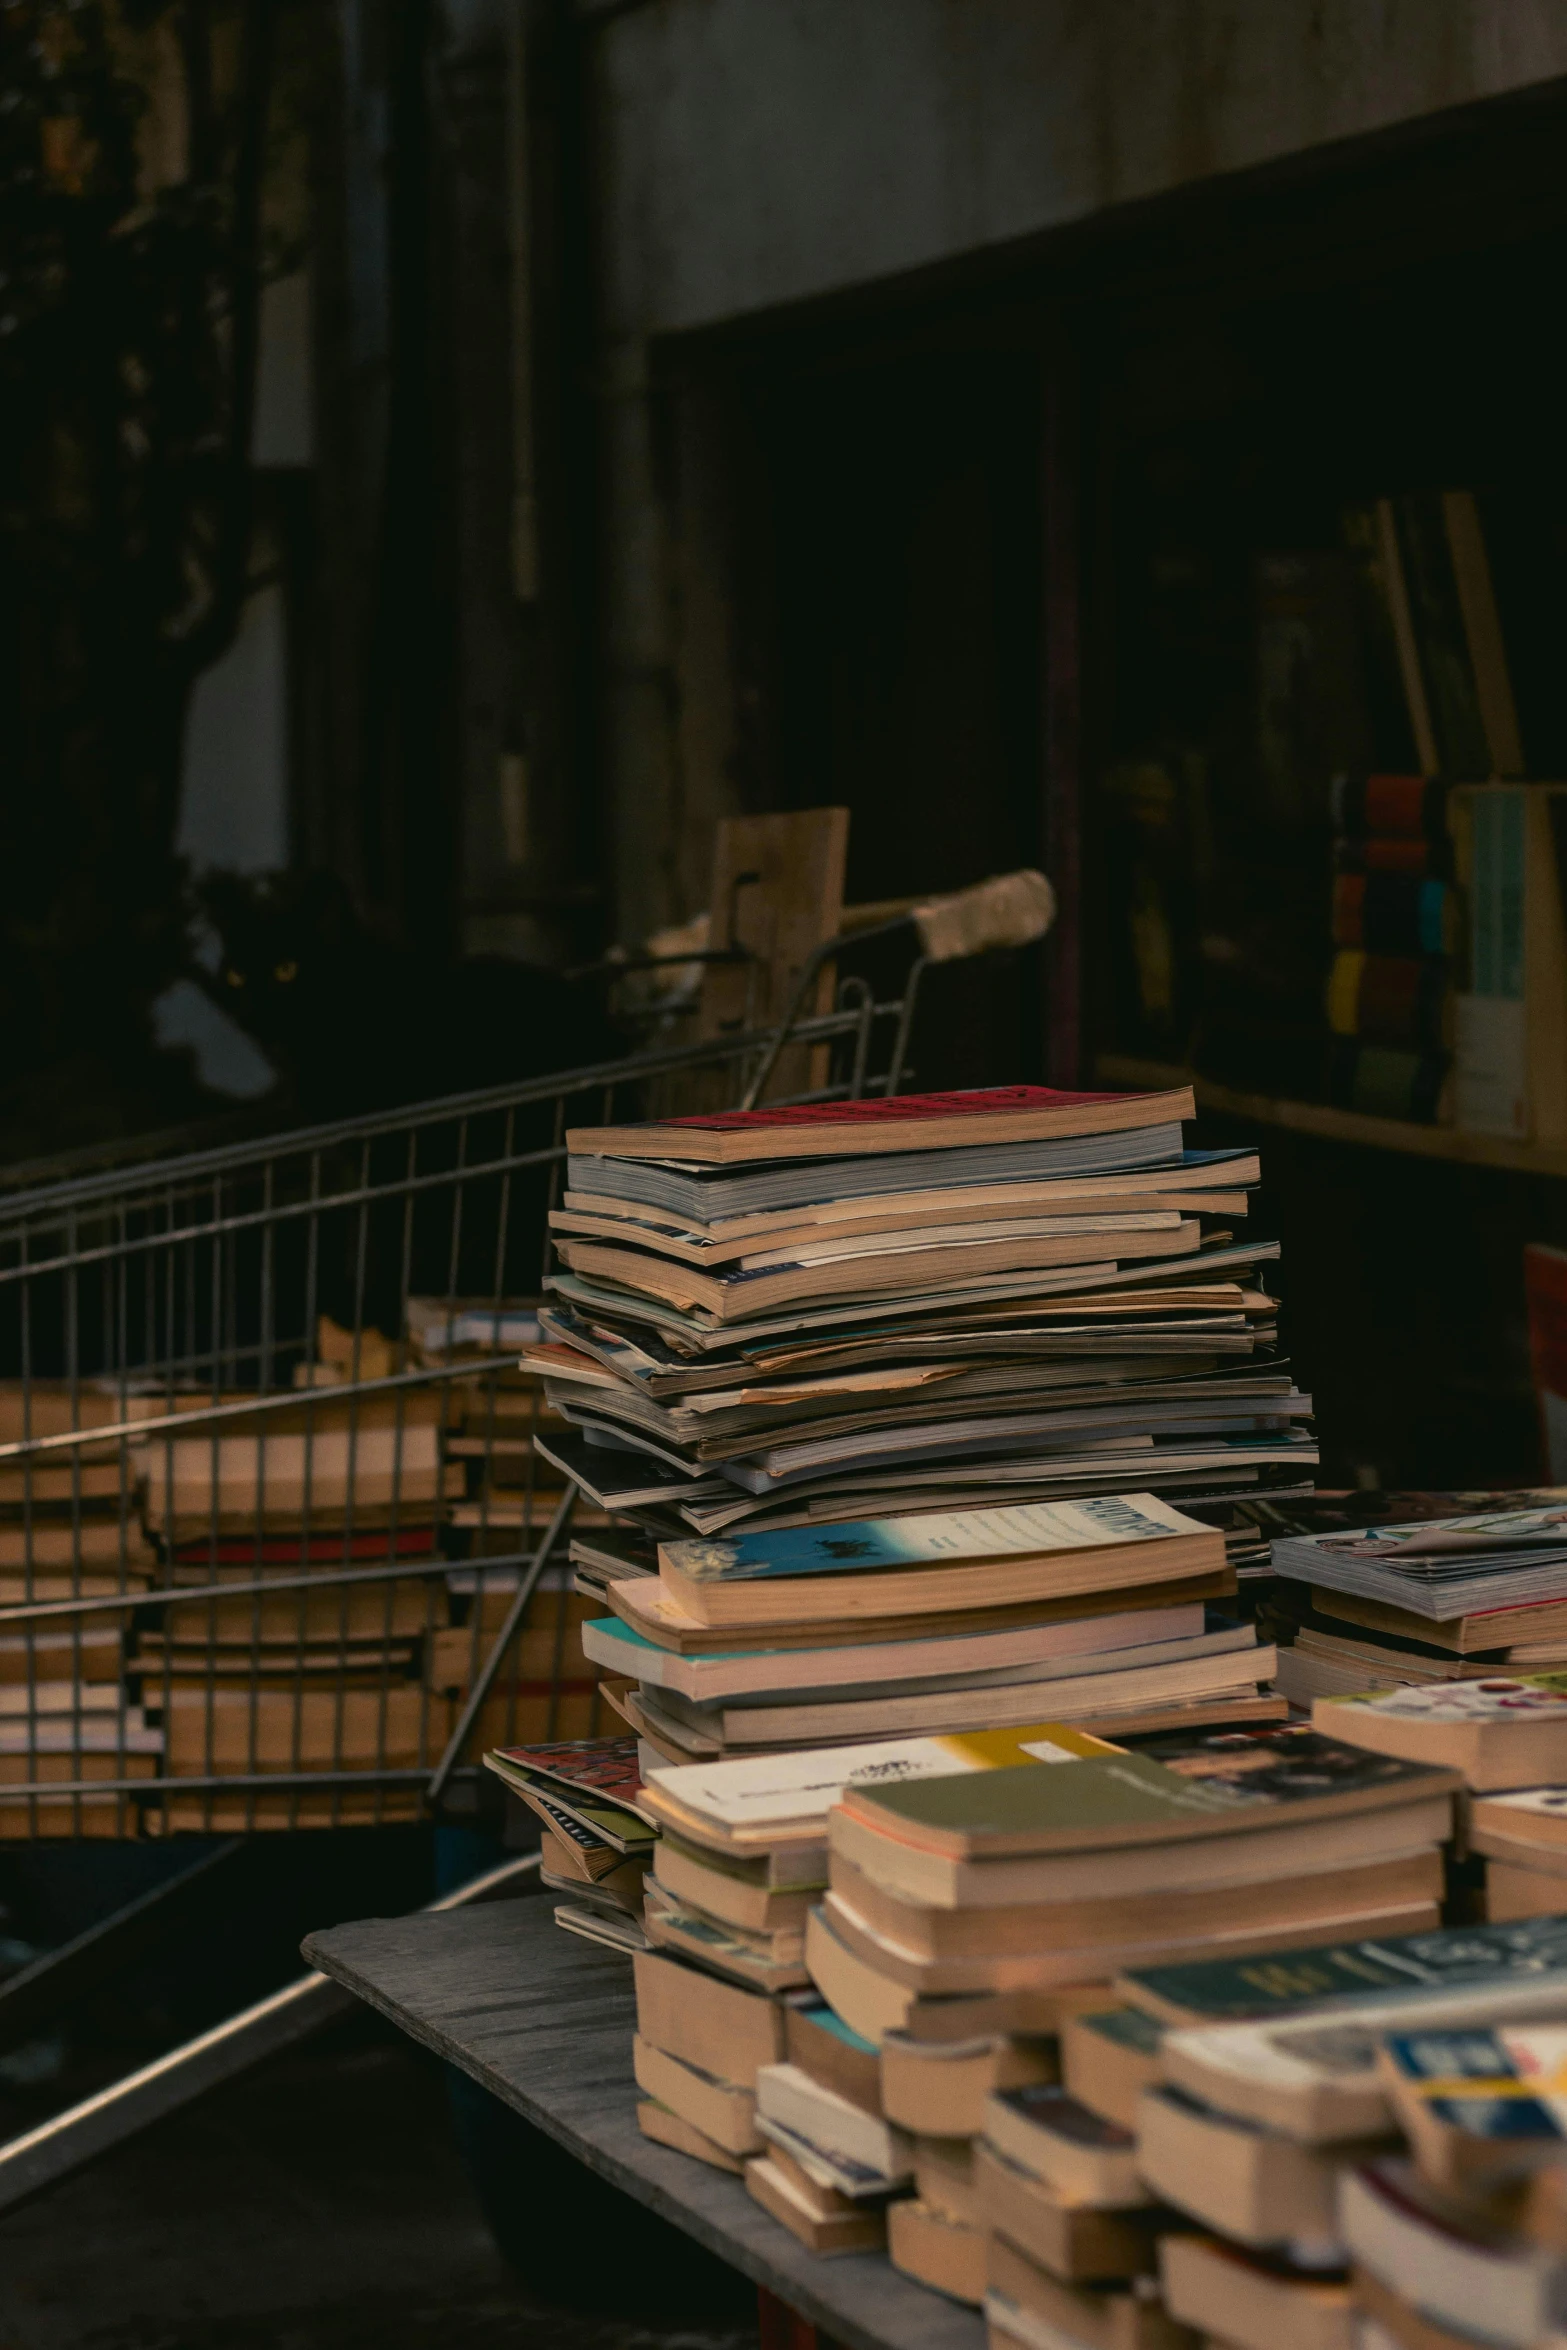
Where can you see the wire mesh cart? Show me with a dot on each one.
(278, 1547)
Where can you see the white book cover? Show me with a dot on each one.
(769, 1790)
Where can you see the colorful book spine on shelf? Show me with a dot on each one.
(1396, 924)
(1396, 1000)
(1390, 913)
(1512, 1006)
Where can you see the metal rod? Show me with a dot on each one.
(42, 1990)
(503, 1639)
(321, 1579)
(287, 1399)
(59, 2146)
(193, 1166)
(792, 1029)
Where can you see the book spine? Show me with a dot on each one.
(1374, 853)
(1483, 631)
(1404, 807)
(1443, 644)
(1395, 1000)
(1394, 914)
(1492, 1083)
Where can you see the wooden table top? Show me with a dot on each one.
(544, 2021)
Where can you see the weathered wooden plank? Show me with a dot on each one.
(544, 2021)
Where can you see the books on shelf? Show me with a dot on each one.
(1512, 1006)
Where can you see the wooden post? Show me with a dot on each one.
(1061, 718)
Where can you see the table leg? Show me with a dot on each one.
(783, 2328)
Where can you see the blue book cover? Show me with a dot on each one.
(948, 1537)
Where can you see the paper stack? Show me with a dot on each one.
(595, 1837)
(1096, 1611)
(1353, 2129)
(1425, 1602)
(845, 1310)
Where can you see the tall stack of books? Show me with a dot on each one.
(300, 1681)
(799, 1316)
(1390, 993)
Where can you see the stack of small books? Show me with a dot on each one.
(1099, 1612)
(1354, 2132)
(1507, 1738)
(1425, 1603)
(595, 1840)
(806, 1315)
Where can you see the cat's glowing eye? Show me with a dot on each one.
(285, 972)
(235, 978)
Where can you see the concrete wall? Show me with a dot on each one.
(759, 151)
(755, 153)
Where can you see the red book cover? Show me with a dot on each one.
(292, 1550)
(605, 1767)
(897, 1109)
(1003, 1114)
(1545, 1296)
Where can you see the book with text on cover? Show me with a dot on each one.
(916, 1121)
(1050, 1550)
(1208, 1784)
(948, 1536)
(784, 1794)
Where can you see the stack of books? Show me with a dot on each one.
(1425, 1602)
(1507, 1737)
(299, 1681)
(70, 1521)
(1390, 996)
(742, 1855)
(1097, 1611)
(1001, 1890)
(1351, 2131)
(700, 2044)
(596, 1839)
(70, 1527)
(832, 2166)
(801, 1316)
(320, 1468)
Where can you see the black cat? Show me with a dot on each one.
(353, 1024)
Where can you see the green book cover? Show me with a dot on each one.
(1222, 1991)
(1096, 1798)
(1180, 1785)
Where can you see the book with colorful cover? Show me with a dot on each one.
(1439, 1567)
(778, 1792)
(597, 1779)
(955, 1536)
(1504, 2087)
